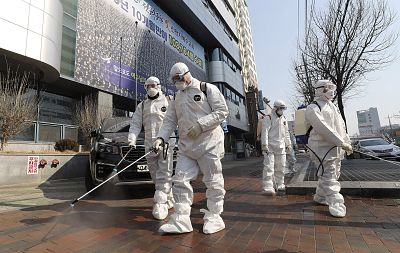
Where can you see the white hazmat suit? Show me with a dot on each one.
(150, 114)
(201, 146)
(328, 133)
(275, 140)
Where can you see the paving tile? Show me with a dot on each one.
(254, 223)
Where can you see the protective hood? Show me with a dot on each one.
(324, 90)
(148, 85)
(178, 71)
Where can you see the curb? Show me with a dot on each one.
(352, 188)
(296, 186)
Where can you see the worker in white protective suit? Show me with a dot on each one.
(150, 114)
(198, 110)
(275, 140)
(328, 138)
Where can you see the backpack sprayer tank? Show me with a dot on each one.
(301, 127)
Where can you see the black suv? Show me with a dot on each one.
(109, 145)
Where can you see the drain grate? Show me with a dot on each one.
(362, 170)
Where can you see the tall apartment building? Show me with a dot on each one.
(107, 49)
(368, 122)
(246, 45)
(248, 67)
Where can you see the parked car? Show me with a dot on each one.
(109, 145)
(377, 147)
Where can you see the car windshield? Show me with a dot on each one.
(116, 125)
(376, 142)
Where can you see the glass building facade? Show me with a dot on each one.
(112, 46)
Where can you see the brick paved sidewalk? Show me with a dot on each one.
(254, 223)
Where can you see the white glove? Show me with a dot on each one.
(289, 148)
(265, 148)
(348, 148)
(194, 131)
(157, 145)
(132, 144)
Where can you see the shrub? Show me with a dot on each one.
(66, 144)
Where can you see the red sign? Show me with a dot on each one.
(32, 167)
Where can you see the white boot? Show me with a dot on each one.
(160, 211)
(281, 187)
(269, 191)
(320, 200)
(177, 224)
(170, 201)
(212, 222)
(337, 210)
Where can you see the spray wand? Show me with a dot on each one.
(108, 179)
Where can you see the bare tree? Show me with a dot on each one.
(304, 76)
(18, 105)
(344, 44)
(89, 116)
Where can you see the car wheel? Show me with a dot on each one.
(89, 182)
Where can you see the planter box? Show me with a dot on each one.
(13, 168)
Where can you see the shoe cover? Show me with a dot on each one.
(160, 211)
(320, 200)
(269, 191)
(177, 224)
(170, 201)
(212, 222)
(337, 210)
(281, 187)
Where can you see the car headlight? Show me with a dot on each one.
(101, 148)
(107, 149)
(396, 149)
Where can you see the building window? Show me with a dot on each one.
(71, 133)
(56, 109)
(68, 37)
(28, 134)
(68, 52)
(49, 133)
(214, 13)
(70, 7)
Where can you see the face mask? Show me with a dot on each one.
(181, 85)
(152, 92)
(329, 94)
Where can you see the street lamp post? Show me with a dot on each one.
(136, 65)
(120, 66)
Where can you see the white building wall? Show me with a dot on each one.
(226, 13)
(219, 73)
(246, 45)
(368, 122)
(33, 29)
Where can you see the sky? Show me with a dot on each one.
(276, 27)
